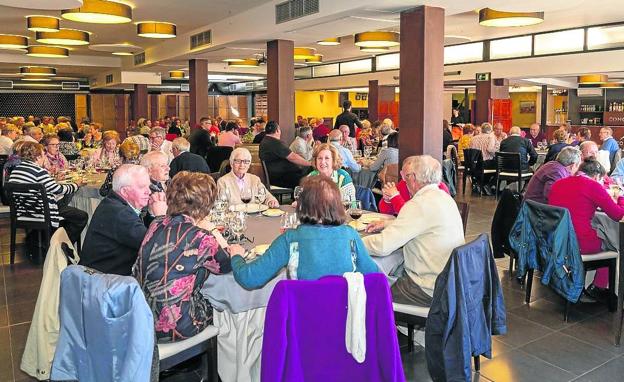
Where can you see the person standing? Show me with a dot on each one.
(349, 119)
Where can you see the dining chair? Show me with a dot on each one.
(473, 169)
(509, 168)
(275, 190)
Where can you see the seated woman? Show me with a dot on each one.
(582, 194)
(54, 161)
(107, 156)
(389, 155)
(464, 141)
(324, 244)
(229, 137)
(327, 161)
(238, 179)
(560, 136)
(129, 151)
(66, 144)
(171, 280)
(93, 138)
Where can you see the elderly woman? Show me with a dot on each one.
(67, 146)
(365, 135)
(560, 136)
(582, 194)
(54, 161)
(390, 155)
(325, 245)
(129, 152)
(326, 161)
(171, 280)
(94, 137)
(107, 156)
(30, 170)
(239, 179)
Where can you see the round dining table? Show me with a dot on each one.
(239, 312)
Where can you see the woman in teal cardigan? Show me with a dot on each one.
(322, 245)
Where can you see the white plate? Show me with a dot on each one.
(250, 208)
(373, 217)
(273, 212)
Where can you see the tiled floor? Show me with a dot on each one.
(538, 347)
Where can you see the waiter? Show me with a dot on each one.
(349, 119)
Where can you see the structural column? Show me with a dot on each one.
(544, 108)
(198, 90)
(421, 82)
(281, 86)
(139, 102)
(373, 100)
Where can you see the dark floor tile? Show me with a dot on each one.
(595, 331)
(513, 298)
(21, 313)
(499, 347)
(415, 365)
(19, 333)
(611, 371)
(4, 316)
(567, 353)
(548, 314)
(23, 292)
(6, 372)
(521, 331)
(518, 366)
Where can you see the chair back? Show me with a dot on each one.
(365, 195)
(215, 156)
(473, 162)
(265, 180)
(464, 210)
(451, 153)
(508, 162)
(29, 206)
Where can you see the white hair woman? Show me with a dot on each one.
(240, 179)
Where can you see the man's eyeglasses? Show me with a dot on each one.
(405, 176)
(241, 161)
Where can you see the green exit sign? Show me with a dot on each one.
(483, 76)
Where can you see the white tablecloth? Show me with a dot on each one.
(87, 198)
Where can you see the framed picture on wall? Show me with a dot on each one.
(527, 106)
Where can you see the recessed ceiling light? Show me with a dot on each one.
(36, 79)
(99, 12)
(329, 41)
(493, 18)
(11, 41)
(593, 79)
(37, 23)
(302, 53)
(378, 39)
(249, 63)
(177, 74)
(47, 51)
(156, 29)
(233, 60)
(122, 54)
(63, 37)
(37, 71)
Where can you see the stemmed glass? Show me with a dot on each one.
(297, 192)
(288, 221)
(354, 209)
(367, 151)
(238, 224)
(246, 197)
(261, 194)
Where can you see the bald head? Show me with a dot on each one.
(514, 130)
(589, 149)
(335, 136)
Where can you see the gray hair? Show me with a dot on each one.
(514, 130)
(151, 157)
(305, 131)
(32, 130)
(426, 169)
(343, 127)
(486, 128)
(181, 144)
(158, 131)
(239, 152)
(335, 136)
(126, 175)
(569, 155)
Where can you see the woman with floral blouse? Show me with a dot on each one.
(178, 253)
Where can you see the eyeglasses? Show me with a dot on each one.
(241, 161)
(407, 175)
(53, 144)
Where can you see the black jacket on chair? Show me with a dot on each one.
(188, 162)
(517, 144)
(504, 218)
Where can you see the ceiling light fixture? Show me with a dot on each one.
(377, 39)
(233, 60)
(317, 59)
(156, 29)
(329, 41)
(36, 79)
(249, 63)
(37, 71)
(99, 12)
(612, 85)
(123, 54)
(374, 50)
(63, 37)
(47, 51)
(493, 18)
(11, 41)
(177, 74)
(593, 79)
(304, 53)
(42, 23)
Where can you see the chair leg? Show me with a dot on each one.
(612, 302)
(13, 239)
(566, 310)
(477, 363)
(214, 371)
(39, 246)
(497, 187)
(205, 365)
(464, 183)
(511, 264)
(529, 285)
(410, 338)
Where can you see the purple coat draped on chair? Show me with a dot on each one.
(304, 333)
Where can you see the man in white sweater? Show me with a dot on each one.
(428, 228)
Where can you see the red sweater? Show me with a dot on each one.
(582, 195)
(394, 206)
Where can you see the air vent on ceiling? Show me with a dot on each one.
(109, 78)
(139, 59)
(185, 87)
(294, 9)
(70, 85)
(6, 84)
(201, 39)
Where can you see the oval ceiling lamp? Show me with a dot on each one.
(233, 60)
(99, 12)
(36, 79)
(122, 54)
(329, 41)
(117, 49)
(47, 51)
(12, 41)
(177, 74)
(612, 85)
(63, 37)
(377, 39)
(317, 59)
(42, 4)
(249, 63)
(493, 18)
(374, 50)
(37, 23)
(304, 53)
(42, 71)
(156, 29)
(593, 79)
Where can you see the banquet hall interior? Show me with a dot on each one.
(123, 119)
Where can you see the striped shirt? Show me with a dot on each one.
(486, 143)
(29, 172)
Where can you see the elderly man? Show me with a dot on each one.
(347, 142)
(336, 137)
(584, 134)
(516, 144)
(608, 142)
(303, 143)
(486, 142)
(499, 134)
(158, 142)
(185, 160)
(117, 228)
(428, 228)
(201, 139)
(32, 134)
(567, 163)
(535, 134)
(285, 167)
(588, 149)
(9, 134)
(158, 169)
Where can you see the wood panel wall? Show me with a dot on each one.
(81, 107)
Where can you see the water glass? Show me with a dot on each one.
(367, 151)
(261, 194)
(238, 224)
(297, 192)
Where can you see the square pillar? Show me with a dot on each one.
(373, 100)
(281, 86)
(198, 90)
(421, 82)
(139, 102)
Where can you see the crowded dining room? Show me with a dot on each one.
(311, 190)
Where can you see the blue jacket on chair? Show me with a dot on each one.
(107, 329)
(467, 309)
(544, 239)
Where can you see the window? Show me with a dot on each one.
(359, 66)
(559, 42)
(510, 47)
(605, 37)
(463, 53)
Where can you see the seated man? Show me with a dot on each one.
(201, 138)
(335, 137)
(486, 142)
(535, 134)
(567, 162)
(608, 143)
(159, 143)
(285, 167)
(156, 164)
(185, 160)
(258, 130)
(428, 228)
(303, 142)
(516, 144)
(117, 228)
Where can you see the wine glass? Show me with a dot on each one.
(367, 151)
(261, 194)
(246, 197)
(286, 222)
(355, 209)
(238, 224)
(297, 192)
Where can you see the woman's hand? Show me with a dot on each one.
(235, 249)
(273, 203)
